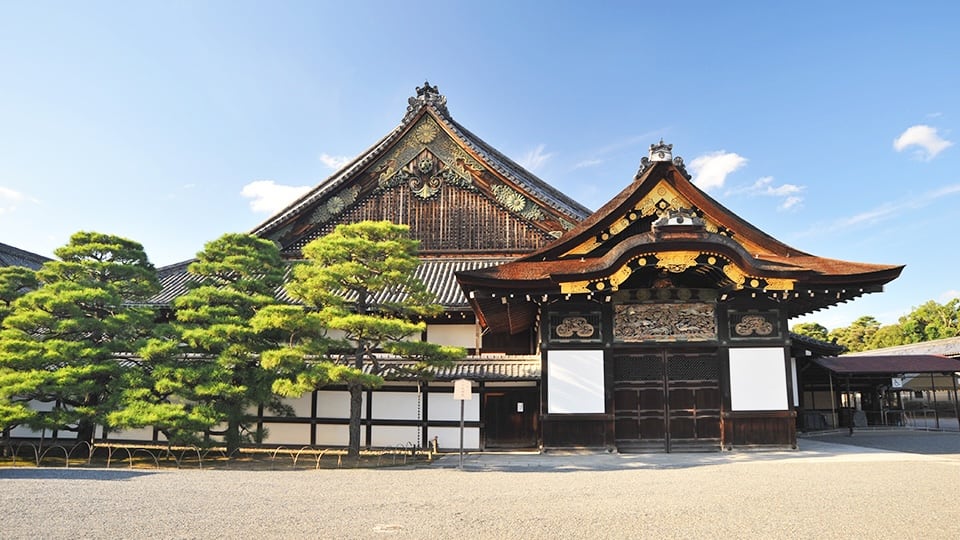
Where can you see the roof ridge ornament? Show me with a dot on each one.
(426, 95)
(661, 152)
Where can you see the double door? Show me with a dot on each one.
(667, 401)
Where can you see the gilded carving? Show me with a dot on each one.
(575, 326)
(335, 205)
(664, 322)
(753, 324)
(426, 131)
(510, 198)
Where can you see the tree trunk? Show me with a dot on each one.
(232, 436)
(85, 431)
(356, 410)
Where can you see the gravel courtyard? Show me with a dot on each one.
(825, 490)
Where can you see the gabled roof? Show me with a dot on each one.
(663, 225)
(944, 347)
(427, 151)
(11, 256)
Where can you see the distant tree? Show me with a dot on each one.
(237, 276)
(60, 343)
(811, 330)
(889, 335)
(931, 321)
(360, 279)
(857, 336)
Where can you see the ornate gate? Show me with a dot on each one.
(667, 401)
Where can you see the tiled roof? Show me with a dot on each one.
(438, 274)
(11, 256)
(525, 368)
(944, 347)
(913, 363)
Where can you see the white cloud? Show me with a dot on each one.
(334, 162)
(947, 296)
(926, 138)
(885, 211)
(711, 170)
(268, 196)
(535, 158)
(10, 200)
(790, 193)
(588, 163)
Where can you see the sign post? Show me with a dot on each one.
(462, 391)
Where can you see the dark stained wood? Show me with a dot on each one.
(456, 220)
(504, 425)
(577, 430)
(745, 429)
(667, 402)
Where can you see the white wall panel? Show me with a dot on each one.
(449, 437)
(336, 404)
(454, 335)
(288, 434)
(390, 436)
(444, 407)
(394, 405)
(337, 435)
(141, 434)
(575, 382)
(758, 379)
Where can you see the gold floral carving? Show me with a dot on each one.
(664, 322)
(677, 261)
(575, 325)
(426, 131)
(753, 324)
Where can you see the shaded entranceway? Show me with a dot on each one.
(510, 417)
(667, 401)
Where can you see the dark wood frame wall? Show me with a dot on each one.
(744, 322)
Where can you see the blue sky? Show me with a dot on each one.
(830, 125)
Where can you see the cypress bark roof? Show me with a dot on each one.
(662, 227)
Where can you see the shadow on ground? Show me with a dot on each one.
(31, 473)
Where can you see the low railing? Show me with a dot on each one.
(85, 454)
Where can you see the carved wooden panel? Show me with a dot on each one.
(754, 324)
(574, 327)
(664, 322)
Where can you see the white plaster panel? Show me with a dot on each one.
(444, 407)
(337, 435)
(139, 434)
(575, 382)
(453, 335)
(301, 405)
(392, 436)
(758, 379)
(796, 386)
(336, 404)
(394, 405)
(449, 437)
(287, 434)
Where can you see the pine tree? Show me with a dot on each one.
(60, 344)
(237, 275)
(360, 280)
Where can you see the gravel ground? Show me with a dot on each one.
(823, 491)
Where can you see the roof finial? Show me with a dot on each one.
(427, 95)
(661, 152)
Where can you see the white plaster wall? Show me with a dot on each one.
(337, 435)
(391, 436)
(449, 437)
(758, 379)
(444, 407)
(141, 434)
(454, 335)
(287, 434)
(301, 405)
(335, 404)
(575, 382)
(394, 405)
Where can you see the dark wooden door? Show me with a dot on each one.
(510, 417)
(667, 401)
